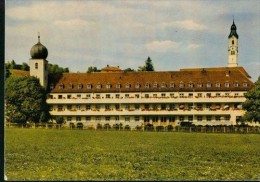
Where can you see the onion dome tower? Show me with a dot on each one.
(38, 63)
(233, 46)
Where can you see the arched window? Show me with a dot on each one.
(36, 65)
(233, 42)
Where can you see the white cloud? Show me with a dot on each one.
(162, 46)
(74, 22)
(194, 46)
(185, 24)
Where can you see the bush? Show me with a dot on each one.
(72, 125)
(106, 126)
(159, 128)
(169, 128)
(127, 127)
(186, 124)
(138, 127)
(116, 126)
(99, 126)
(80, 125)
(149, 127)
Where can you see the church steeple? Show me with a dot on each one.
(233, 30)
(233, 46)
(38, 62)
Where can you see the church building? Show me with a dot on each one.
(201, 96)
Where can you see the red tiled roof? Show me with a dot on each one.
(186, 76)
(111, 69)
(20, 72)
(241, 69)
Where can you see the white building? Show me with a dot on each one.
(203, 96)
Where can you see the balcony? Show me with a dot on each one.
(133, 100)
(143, 111)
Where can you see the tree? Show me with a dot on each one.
(59, 119)
(11, 65)
(7, 73)
(25, 67)
(148, 66)
(25, 100)
(252, 103)
(92, 69)
(129, 70)
(55, 69)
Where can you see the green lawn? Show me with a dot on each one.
(45, 154)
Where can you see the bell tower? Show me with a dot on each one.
(233, 46)
(38, 63)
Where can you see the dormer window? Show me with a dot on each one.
(99, 86)
(71, 86)
(118, 85)
(208, 85)
(236, 84)
(147, 85)
(80, 86)
(191, 85)
(108, 86)
(36, 65)
(218, 84)
(245, 84)
(227, 84)
(89, 86)
(137, 85)
(199, 85)
(171, 85)
(61, 86)
(163, 85)
(128, 85)
(155, 85)
(181, 85)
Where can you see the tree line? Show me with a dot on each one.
(147, 67)
(52, 68)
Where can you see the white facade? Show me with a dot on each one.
(39, 69)
(157, 108)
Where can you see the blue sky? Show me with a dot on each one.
(174, 34)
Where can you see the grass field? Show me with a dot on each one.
(45, 154)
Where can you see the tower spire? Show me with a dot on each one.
(39, 37)
(233, 46)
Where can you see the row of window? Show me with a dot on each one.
(148, 106)
(151, 118)
(162, 95)
(155, 85)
